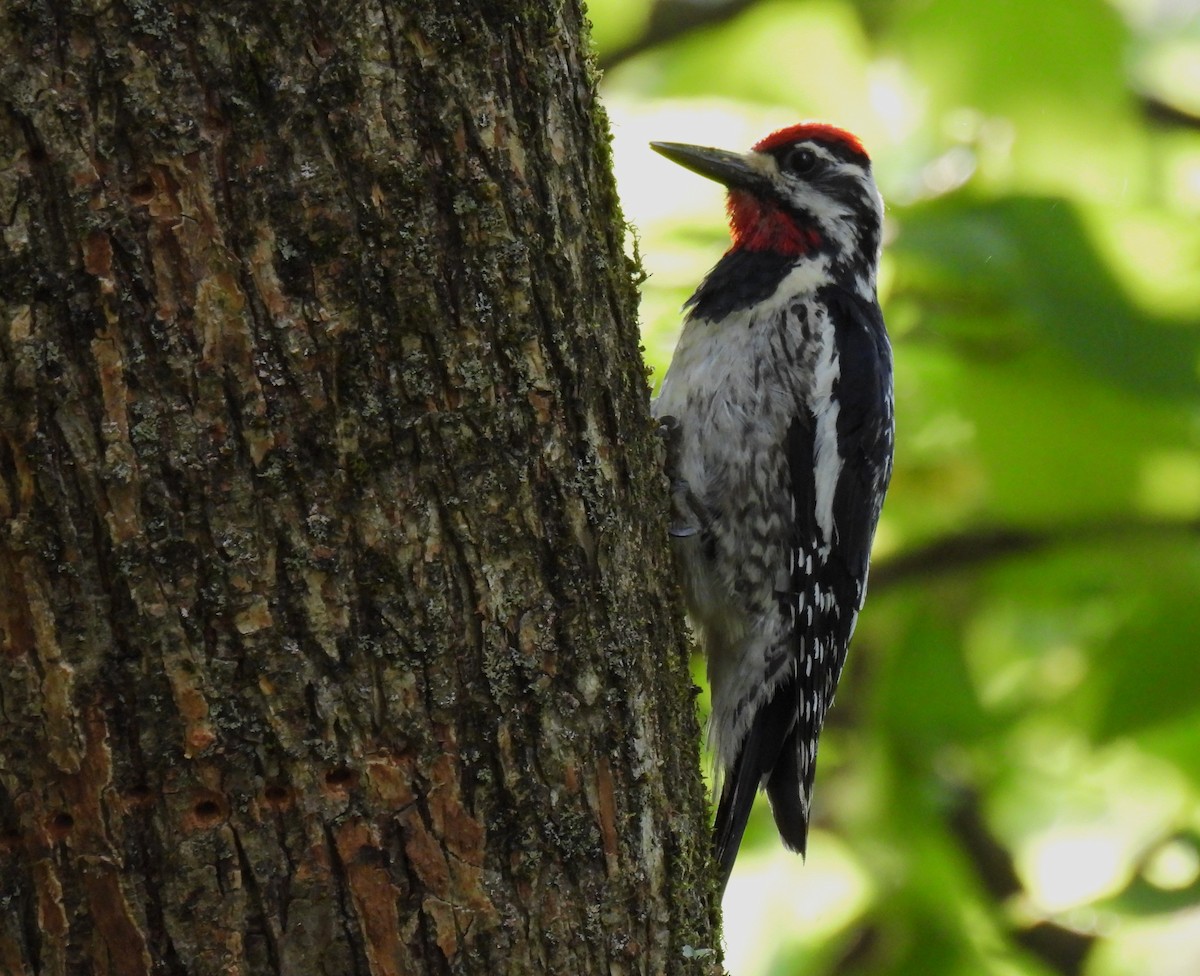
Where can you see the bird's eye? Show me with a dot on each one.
(802, 161)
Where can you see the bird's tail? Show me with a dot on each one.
(769, 757)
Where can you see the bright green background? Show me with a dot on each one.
(1014, 757)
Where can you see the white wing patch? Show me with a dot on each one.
(827, 460)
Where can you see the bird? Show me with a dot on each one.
(777, 411)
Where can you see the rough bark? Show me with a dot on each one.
(336, 633)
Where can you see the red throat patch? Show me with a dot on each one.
(758, 226)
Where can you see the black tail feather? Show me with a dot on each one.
(768, 757)
(787, 793)
(737, 797)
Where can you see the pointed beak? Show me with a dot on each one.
(729, 169)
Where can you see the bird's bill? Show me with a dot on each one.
(730, 169)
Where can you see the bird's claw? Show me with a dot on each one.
(690, 515)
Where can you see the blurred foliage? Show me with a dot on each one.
(1010, 780)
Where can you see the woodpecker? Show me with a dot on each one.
(777, 411)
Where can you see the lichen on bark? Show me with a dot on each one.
(335, 619)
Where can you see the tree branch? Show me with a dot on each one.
(671, 19)
(978, 548)
(1064, 950)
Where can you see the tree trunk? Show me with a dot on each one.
(336, 630)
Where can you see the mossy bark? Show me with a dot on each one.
(336, 629)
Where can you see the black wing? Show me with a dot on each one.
(837, 585)
(826, 592)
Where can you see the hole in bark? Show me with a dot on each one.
(277, 796)
(138, 796)
(208, 810)
(60, 825)
(142, 193)
(341, 778)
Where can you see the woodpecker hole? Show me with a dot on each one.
(138, 796)
(207, 811)
(60, 825)
(277, 796)
(341, 778)
(142, 193)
